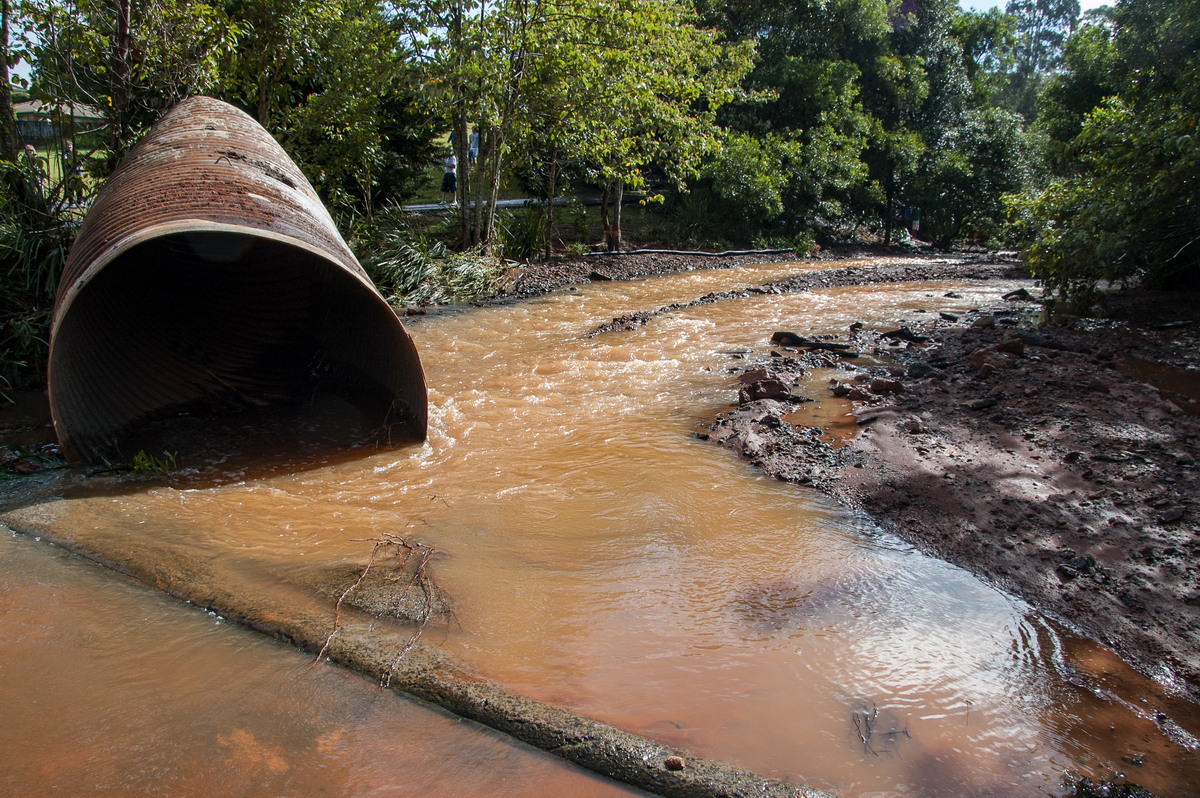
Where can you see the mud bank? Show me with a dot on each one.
(1058, 460)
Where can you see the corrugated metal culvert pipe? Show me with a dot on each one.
(208, 279)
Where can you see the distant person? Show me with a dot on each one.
(449, 180)
(473, 147)
(72, 173)
(34, 164)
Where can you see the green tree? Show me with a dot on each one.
(328, 80)
(605, 88)
(1090, 73)
(1042, 30)
(988, 40)
(128, 58)
(804, 106)
(961, 190)
(1128, 210)
(652, 101)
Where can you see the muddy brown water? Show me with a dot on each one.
(600, 557)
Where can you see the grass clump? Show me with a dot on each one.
(414, 264)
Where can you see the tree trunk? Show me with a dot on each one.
(462, 186)
(462, 194)
(10, 145)
(613, 234)
(481, 186)
(604, 200)
(487, 233)
(266, 81)
(265, 89)
(119, 86)
(887, 214)
(551, 192)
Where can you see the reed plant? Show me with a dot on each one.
(412, 261)
(36, 231)
(522, 232)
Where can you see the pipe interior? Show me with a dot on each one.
(218, 325)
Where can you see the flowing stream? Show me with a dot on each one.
(601, 557)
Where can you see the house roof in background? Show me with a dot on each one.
(37, 108)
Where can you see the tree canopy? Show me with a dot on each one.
(1121, 117)
(750, 121)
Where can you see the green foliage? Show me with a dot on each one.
(144, 463)
(36, 230)
(522, 232)
(411, 263)
(1090, 74)
(696, 218)
(1041, 31)
(961, 192)
(81, 54)
(1128, 209)
(330, 81)
(751, 175)
(17, 461)
(399, 255)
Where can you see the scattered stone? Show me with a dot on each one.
(674, 763)
(1013, 346)
(982, 404)
(918, 370)
(905, 334)
(1021, 295)
(885, 386)
(767, 388)
(1171, 515)
(784, 338)
(1084, 563)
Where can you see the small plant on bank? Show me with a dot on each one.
(145, 463)
(523, 232)
(17, 461)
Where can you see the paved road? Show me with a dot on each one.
(518, 203)
(437, 206)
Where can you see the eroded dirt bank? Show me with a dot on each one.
(1056, 459)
